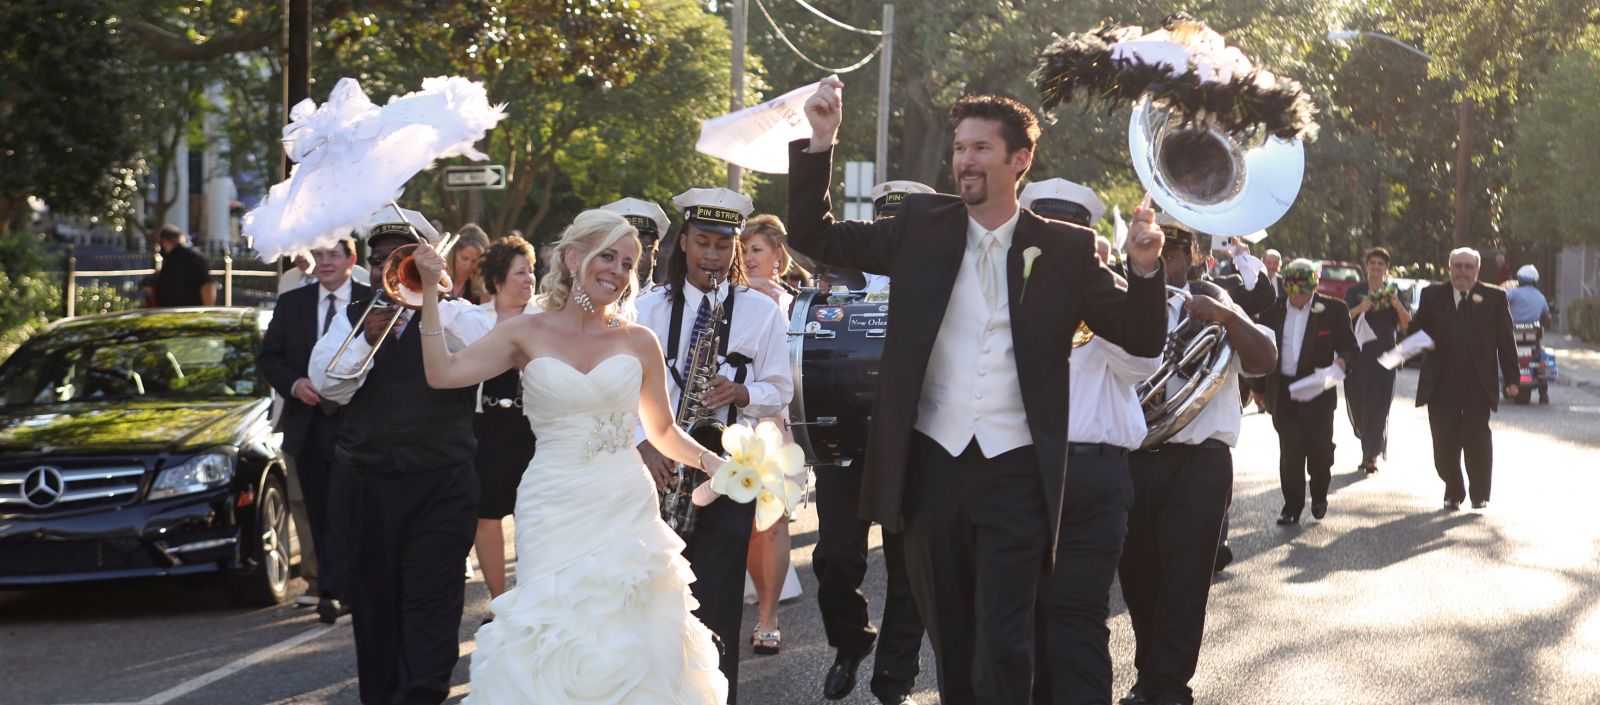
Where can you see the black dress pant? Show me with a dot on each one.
(1305, 447)
(1180, 494)
(840, 562)
(318, 473)
(717, 553)
(1072, 640)
(1460, 424)
(976, 532)
(409, 536)
(1369, 391)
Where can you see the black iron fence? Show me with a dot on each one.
(249, 282)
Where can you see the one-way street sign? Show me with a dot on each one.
(485, 176)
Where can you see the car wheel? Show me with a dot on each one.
(269, 550)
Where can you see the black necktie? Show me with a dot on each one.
(327, 318)
(700, 318)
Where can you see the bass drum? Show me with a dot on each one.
(835, 347)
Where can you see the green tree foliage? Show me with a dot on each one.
(1557, 152)
(67, 114)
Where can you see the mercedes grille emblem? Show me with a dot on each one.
(43, 487)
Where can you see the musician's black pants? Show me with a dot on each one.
(840, 561)
(1073, 642)
(1180, 494)
(717, 552)
(976, 533)
(409, 534)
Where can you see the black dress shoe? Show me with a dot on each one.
(1480, 504)
(1134, 697)
(1452, 505)
(1319, 510)
(1288, 519)
(329, 610)
(1224, 557)
(842, 675)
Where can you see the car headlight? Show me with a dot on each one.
(202, 472)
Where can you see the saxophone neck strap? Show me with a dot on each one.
(675, 331)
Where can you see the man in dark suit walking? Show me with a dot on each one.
(1470, 324)
(967, 448)
(308, 423)
(1313, 332)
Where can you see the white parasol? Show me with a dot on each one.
(353, 157)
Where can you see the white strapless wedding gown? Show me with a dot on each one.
(601, 609)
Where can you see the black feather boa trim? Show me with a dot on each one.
(1080, 66)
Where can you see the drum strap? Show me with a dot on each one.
(675, 329)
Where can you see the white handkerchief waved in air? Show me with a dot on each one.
(758, 137)
(1407, 349)
(1323, 379)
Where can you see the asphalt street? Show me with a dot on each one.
(1388, 600)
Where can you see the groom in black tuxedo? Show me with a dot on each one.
(967, 448)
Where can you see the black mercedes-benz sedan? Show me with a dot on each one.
(137, 444)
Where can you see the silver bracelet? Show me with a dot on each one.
(433, 332)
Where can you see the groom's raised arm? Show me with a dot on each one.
(860, 245)
(1135, 319)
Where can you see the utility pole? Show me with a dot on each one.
(297, 61)
(741, 25)
(882, 155)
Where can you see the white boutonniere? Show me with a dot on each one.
(1477, 298)
(1028, 256)
(1318, 308)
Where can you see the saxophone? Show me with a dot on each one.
(677, 506)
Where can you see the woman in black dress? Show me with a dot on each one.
(1369, 387)
(505, 440)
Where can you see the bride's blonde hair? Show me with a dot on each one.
(590, 234)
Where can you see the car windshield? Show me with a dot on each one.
(135, 364)
(1340, 273)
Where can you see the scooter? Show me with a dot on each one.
(1536, 364)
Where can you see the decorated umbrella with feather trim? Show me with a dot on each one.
(353, 157)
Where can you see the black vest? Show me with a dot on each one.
(396, 422)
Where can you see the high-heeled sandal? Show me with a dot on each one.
(766, 643)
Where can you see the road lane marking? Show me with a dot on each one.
(1585, 409)
(189, 686)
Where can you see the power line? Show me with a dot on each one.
(785, 39)
(837, 23)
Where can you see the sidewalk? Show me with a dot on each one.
(1577, 361)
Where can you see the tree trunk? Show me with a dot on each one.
(1463, 165)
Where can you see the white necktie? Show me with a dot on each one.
(988, 278)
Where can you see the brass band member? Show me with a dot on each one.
(647, 218)
(405, 449)
(753, 381)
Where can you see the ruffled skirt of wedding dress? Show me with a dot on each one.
(601, 608)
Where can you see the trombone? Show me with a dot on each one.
(400, 285)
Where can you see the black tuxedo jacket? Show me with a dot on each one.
(1489, 337)
(286, 355)
(1328, 333)
(922, 248)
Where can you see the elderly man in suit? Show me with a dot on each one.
(308, 423)
(1313, 332)
(967, 448)
(1474, 358)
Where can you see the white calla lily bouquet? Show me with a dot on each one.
(763, 469)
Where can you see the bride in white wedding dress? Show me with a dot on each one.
(601, 609)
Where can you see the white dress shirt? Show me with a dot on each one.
(492, 318)
(971, 388)
(1221, 417)
(462, 327)
(759, 331)
(341, 299)
(1104, 407)
(1295, 321)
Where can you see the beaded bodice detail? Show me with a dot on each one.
(593, 413)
